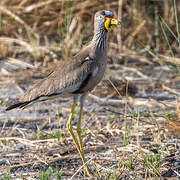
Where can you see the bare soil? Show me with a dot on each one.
(130, 125)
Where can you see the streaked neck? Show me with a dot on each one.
(99, 40)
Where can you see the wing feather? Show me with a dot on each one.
(67, 78)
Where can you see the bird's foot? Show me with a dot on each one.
(87, 172)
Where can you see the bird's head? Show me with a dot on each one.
(105, 19)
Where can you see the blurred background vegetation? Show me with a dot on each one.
(143, 65)
(149, 27)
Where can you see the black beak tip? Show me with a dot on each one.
(119, 23)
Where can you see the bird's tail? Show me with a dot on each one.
(23, 105)
(18, 105)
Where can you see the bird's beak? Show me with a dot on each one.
(110, 23)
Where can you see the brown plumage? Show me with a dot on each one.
(75, 76)
(66, 80)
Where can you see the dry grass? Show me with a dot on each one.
(128, 133)
(69, 24)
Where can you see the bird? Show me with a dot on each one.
(75, 77)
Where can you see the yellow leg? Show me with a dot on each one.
(78, 143)
(69, 126)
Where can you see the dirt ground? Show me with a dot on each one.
(130, 126)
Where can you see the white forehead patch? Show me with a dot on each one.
(95, 71)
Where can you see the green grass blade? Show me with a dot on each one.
(167, 26)
(167, 40)
(169, 45)
(177, 24)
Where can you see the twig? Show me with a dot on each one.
(23, 64)
(81, 168)
(120, 3)
(15, 17)
(170, 90)
(172, 60)
(137, 30)
(106, 101)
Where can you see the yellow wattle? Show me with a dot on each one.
(110, 21)
(107, 22)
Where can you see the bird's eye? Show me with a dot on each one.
(100, 17)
